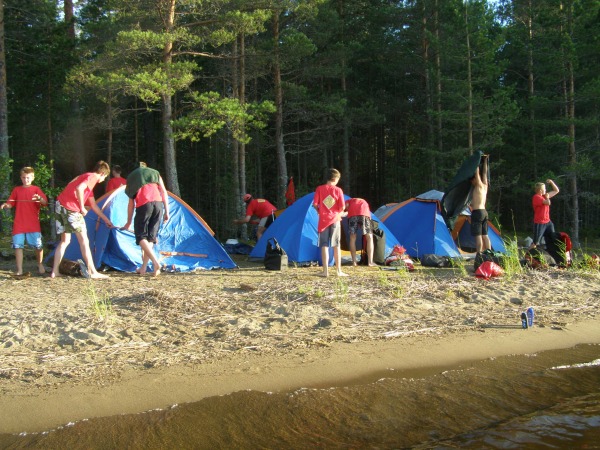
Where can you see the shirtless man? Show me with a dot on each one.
(479, 215)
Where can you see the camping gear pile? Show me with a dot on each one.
(399, 258)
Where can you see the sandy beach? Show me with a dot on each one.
(73, 349)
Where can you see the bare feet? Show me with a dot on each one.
(41, 269)
(139, 271)
(342, 274)
(323, 274)
(372, 265)
(55, 274)
(98, 276)
(156, 273)
(354, 263)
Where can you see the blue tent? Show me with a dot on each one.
(296, 231)
(420, 227)
(185, 241)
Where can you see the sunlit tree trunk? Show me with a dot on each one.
(167, 114)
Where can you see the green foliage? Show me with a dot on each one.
(44, 173)
(381, 90)
(511, 262)
(5, 172)
(100, 303)
(209, 113)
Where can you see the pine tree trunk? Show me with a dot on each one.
(572, 158)
(4, 155)
(531, 90)
(170, 159)
(75, 125)
(280, 149)
(469, 83)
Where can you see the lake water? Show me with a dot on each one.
(545, 400)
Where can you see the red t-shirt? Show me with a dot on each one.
(27, 212)
(260, 208)
(148, 193)
(114, 183)
(541, 212)
(358, 207)
(68, 198)
(329, 200)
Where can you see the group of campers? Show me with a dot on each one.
(148, 197)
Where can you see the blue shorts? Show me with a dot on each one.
(34, 240)
(330, 236)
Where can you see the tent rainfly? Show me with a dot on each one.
(185, 241)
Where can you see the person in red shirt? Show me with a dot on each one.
(27, 201)
(116, 180)
(261, 208)
(329, 203)
(359, 217)
(151, 203)
(542, 225)
(70, 209)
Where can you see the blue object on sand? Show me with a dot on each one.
(530, 316)
(523, 320)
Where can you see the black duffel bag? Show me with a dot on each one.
(275, 256)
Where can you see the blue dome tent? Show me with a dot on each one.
(185, 241)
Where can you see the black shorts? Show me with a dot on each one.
(479, 222)
(146, 223)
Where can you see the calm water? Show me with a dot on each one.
(546, 400)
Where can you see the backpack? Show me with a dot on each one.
(487, 255)
(275, 257)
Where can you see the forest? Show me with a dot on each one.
(225, 97)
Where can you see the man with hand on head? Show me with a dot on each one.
(542, 225)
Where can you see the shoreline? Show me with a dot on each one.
(337, 363)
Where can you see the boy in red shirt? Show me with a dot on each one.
(329, 203)
(261, 208)
(359, 217)
(70, 211)
(542, 225)
(116, 180)
(27, 201)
